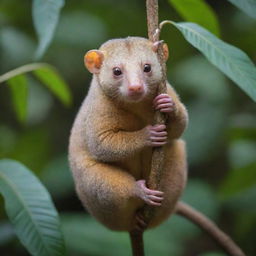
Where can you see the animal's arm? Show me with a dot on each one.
(178, 119)
(113, 145)
(108, 143)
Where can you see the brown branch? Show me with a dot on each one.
(210, 227)
(158, 154)
(136, 237)
(159, 118)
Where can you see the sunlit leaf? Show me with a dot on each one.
(197, 11)
(30, 209)
(19, 90)
(248, 6)
(230, 60)
(50, 77)
(45, 18)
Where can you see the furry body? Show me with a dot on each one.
(109, 147)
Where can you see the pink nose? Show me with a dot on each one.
(135, 88)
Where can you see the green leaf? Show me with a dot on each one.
(50, 77)
(248, 6)
(197, 11)
(230, 60)
(31, 210)
(19, 90)
(45, 17)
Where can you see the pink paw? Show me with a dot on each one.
(149, 196)
(164, 103)
(156, 135)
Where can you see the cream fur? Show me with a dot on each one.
(108, 150)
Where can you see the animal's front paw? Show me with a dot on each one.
(149, 196)
(156, 135)
(164, 103)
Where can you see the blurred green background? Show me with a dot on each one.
(221, 137)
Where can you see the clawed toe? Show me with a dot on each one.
(140, 222)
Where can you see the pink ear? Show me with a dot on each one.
(93, 60)
(165, 49)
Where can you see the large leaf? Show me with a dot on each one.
(19, 89)
(230, 60)
(248, 6)
(49, 77)
(197, 11)
(45, 18)
(30, 209)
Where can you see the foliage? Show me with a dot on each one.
(18, 83)
(45, 18)
(221, 137)
(248, 6)
(197, 11)
(30, 210)
(229, 59)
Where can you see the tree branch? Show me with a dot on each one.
(210, 227)
(158, 154)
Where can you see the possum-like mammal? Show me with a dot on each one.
(113, 135)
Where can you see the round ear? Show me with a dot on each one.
(166, 52)
(165, 49)
(93, 60)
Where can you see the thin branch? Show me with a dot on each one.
(210, 227)
(136, 237)
(22, 70)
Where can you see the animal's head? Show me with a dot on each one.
(127, 69)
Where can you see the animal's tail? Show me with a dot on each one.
(211, 228)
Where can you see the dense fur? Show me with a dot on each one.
(108, 149)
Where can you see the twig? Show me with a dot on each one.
(21, 70)
(210, 227)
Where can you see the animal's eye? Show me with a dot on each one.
(117, 71)
(147, 68)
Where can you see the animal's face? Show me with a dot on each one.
(127, 69)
